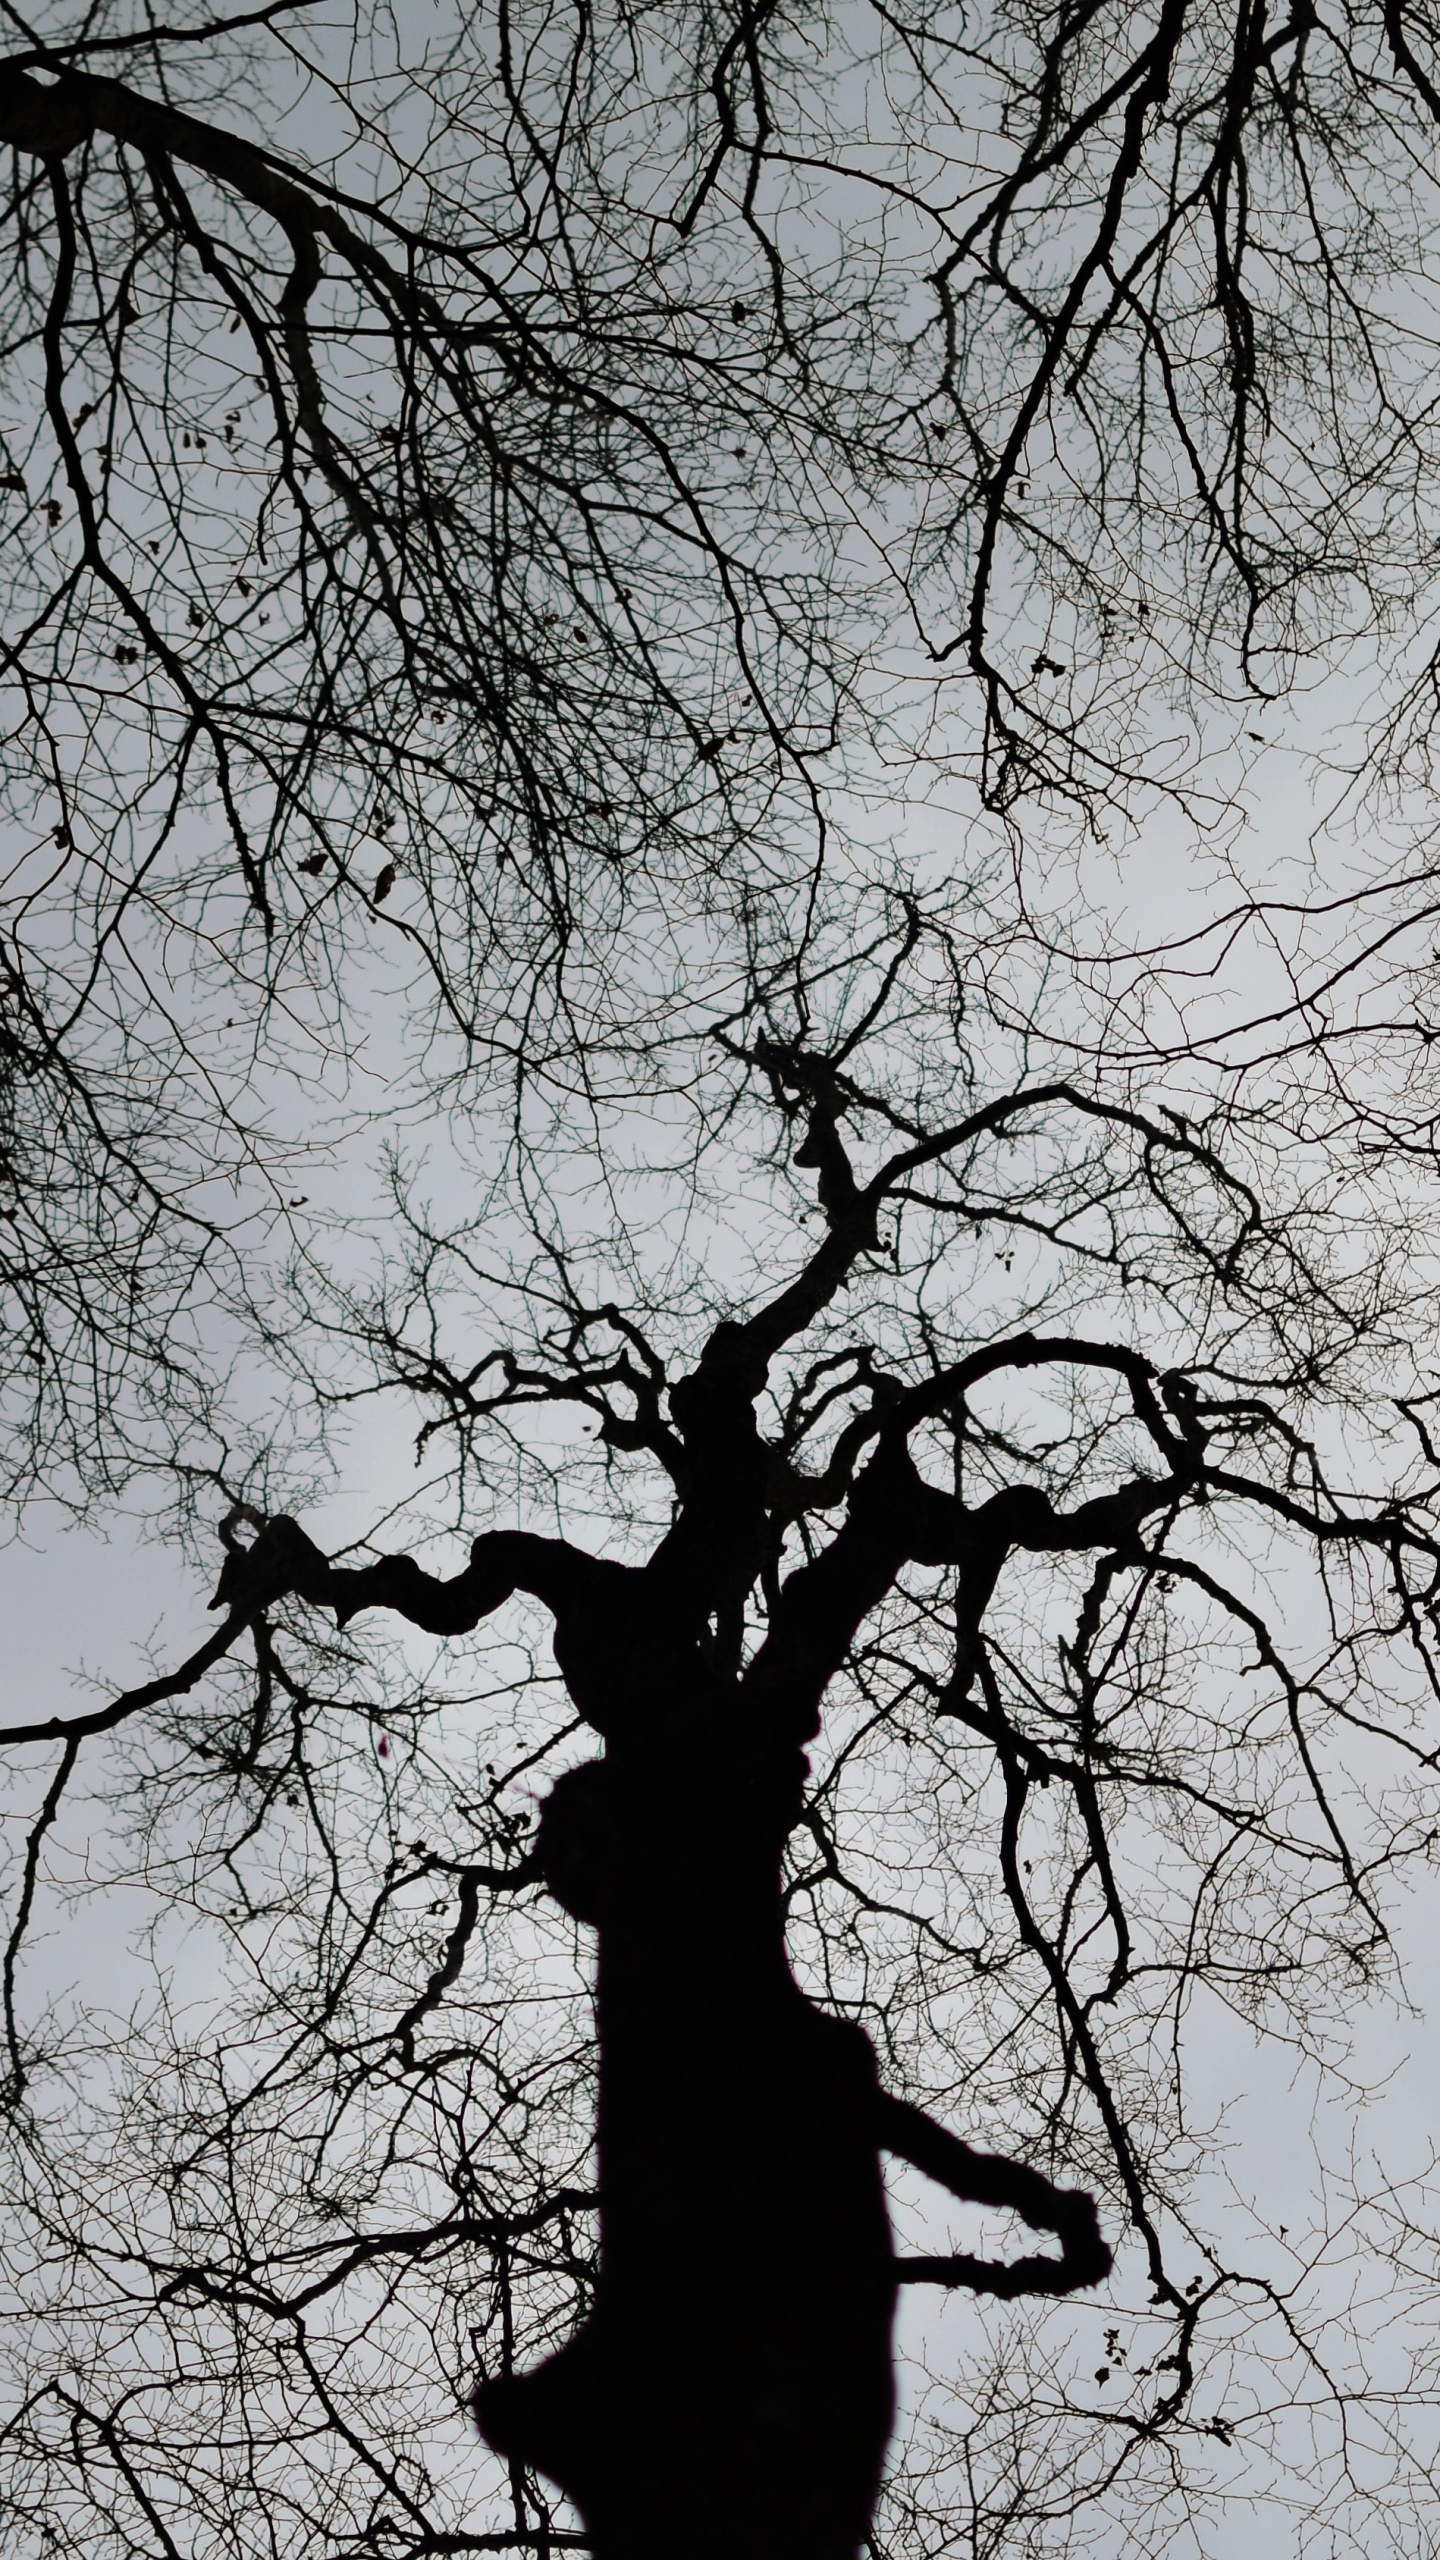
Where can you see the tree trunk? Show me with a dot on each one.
(732, 2393)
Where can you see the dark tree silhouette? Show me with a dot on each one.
(493, 511)
(1059, 1591)
(759, 2403)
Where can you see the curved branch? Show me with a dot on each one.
(982, 2177)
(282, 1560)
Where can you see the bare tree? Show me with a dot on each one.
(473, 492)
(915, 1646)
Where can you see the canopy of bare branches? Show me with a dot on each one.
(569, 578)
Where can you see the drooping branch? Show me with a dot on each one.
(472, 1881)
(982, 2177)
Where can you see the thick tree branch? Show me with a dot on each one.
(148, 1693)
(895, 1518)
(282, 1559)
(981, 2177)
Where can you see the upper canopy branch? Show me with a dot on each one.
(56, 117)
(852, 1208)
(585, 1382)
(900, 1410)
(895, 1518)
(53, 120)
(148, 1693)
